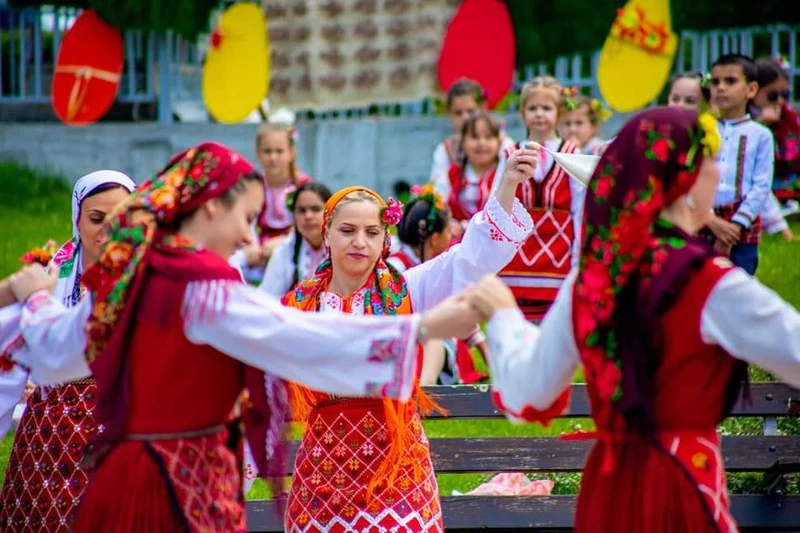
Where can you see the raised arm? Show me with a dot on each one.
(492, 238)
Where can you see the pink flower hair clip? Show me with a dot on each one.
(392, 213)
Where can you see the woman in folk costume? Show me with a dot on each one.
(365, 463)
(664, 330)
(44, 478)
(173, 336)
(554, 201)
(297, 258)
(424, 233)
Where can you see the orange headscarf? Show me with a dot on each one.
(387, 294)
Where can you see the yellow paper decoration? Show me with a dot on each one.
(637, 56)
(236, 72)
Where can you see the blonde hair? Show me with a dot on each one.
(541, 84)
(264, 129)
(353, 197)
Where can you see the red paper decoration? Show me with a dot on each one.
(87, 70)
(479, 45)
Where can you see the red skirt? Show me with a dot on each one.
(164, 486)
(344, 444)
(635, 484)
(44, 480)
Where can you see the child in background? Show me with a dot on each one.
(554, 201)
(745, 161)
(690, 91)
(464, 98)
(580, 122)
(772, 107)
(275, 147)
(469, 180)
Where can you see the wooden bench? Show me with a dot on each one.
(772, 455)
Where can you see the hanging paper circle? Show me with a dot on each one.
(236, 72)
(87, 71)
(637, 56)
(479, 45)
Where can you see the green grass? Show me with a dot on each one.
(35, 207)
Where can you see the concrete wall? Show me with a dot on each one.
(371, 152)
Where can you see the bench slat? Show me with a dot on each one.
(473, 401)
(466, 513)
(551, 454)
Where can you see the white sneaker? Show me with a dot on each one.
(791, 207)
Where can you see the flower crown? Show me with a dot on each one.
(783, 62)
(705, 80)
(569, 94)
(392, 213)
(600, 111)
(706, 137)
(42, 255)
(428, 194)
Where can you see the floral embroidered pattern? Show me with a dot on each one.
(190, 177)
(624, 236)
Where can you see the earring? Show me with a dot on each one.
(690, 201)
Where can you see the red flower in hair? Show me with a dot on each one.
(660, 149)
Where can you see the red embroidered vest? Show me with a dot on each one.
(537, 271)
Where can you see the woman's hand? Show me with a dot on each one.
(31, 279)
(520, 166)
(454, 317)
(490, 296)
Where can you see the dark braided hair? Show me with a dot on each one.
(324, 193)
(420, 220)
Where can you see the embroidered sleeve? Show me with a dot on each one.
(504, 227)
(532, 368)
(330, 352)
(756, 197)
(491, 239)
(754, 324)
(54, 338)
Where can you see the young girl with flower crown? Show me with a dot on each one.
(365, 464)
(276, 150)
(552, 198)
(580, 119)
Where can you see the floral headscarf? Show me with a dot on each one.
(633, 263)
(190, 179)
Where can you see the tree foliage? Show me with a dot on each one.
(187, 18)
(546, 29)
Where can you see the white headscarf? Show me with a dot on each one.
(68, 257)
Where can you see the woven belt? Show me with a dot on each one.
(213, 430)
